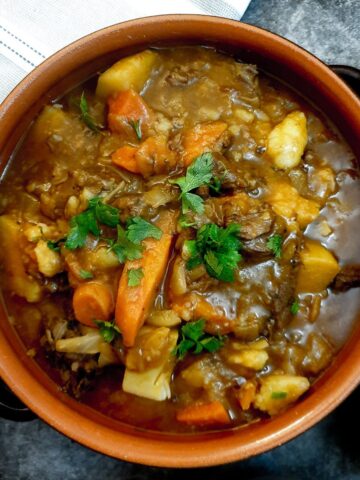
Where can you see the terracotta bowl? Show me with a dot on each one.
(65, 69)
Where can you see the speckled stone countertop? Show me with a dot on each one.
(328, 451)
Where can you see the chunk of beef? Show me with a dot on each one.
(234, 177)
(348, 277)
(182, 76)
(285, 294)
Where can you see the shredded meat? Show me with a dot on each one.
(182, 75)
(348, 277)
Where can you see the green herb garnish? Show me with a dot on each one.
(185, 222)
(136, 125)
(123, 248)
(198, 173)
(85, 274)
(217, 248)
(55, 245)
(138, 229)
(108, 330)
(134, 276)
(195, 340)
(278, 395)
(85, 115)
(88, 222)
(275, 244)
(295, 307)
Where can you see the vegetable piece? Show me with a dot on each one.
(153, 383)
(287, 141)
(291, 387)
(52, 119)
(287, 202)
(134, 276)
(127, 109)
(93, 301)
(133, 303)
(249, 358)
(123, 248)
(193, 305)
(246, 395)
(49, 261)
(295, 307)
(85, 344)
(85, 115)
(125, 157)
(139, 229)
(204, 137)
(163, 318)
(194, 340)
(107, 356)
(108, 330)
(177, 284)
(217, 248)
(318, 268)
(11, 254)
(275, 244)
(199, 173)
(213, 413)
(129, 72)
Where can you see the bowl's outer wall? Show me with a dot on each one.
(68, 68)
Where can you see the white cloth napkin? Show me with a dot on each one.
(31, 30)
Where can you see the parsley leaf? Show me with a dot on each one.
(185, 222)
(278, 395)
(138, 229)
(55, 244)
(195, 340)
(88, 222)
(134, 276)
(198, 173)
(108, 330)
(136, 125)
(217, 248)
(123, 248)
(85, 274)
(275, 244)
(85, 115)
(295, 307)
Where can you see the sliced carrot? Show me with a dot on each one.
(93, 301)
(213, 413)
(203, 137)
(125, 157)
(125, 107)
(133, 303)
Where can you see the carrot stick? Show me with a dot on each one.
(125, 107)
(125, 157)
(213, 413)
(133, 303)
(92, 301)
(201, 138)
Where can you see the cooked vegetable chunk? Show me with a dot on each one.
(127, 109)
(202, 138)
(93, 301)
(129, 72)
(288, 140)
(49, 262)
(318, 268)
(213, 413)
(278, 391)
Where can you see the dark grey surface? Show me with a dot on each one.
(331, 449)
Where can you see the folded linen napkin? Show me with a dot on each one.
(30, 30)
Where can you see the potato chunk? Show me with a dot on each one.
(287, 202)
(254, 359)
(318, 268)
(129, 72)
(278, 391)
(49, 262)
(287, 141)
(153, 383)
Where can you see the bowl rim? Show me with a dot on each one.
(227, 446)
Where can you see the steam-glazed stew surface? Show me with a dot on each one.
(178, 242)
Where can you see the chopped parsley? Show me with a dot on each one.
(295, 307)
(88, 222)
(55, 245)
(134, 276)
(217, 248)
(138, 229)
(185, 222)
(275, 244)
(136, 125)
(85, 274)
(108, 330)
(85, 115)
(195, 340)
(278, 395)
(197, 174)
(123, 248)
